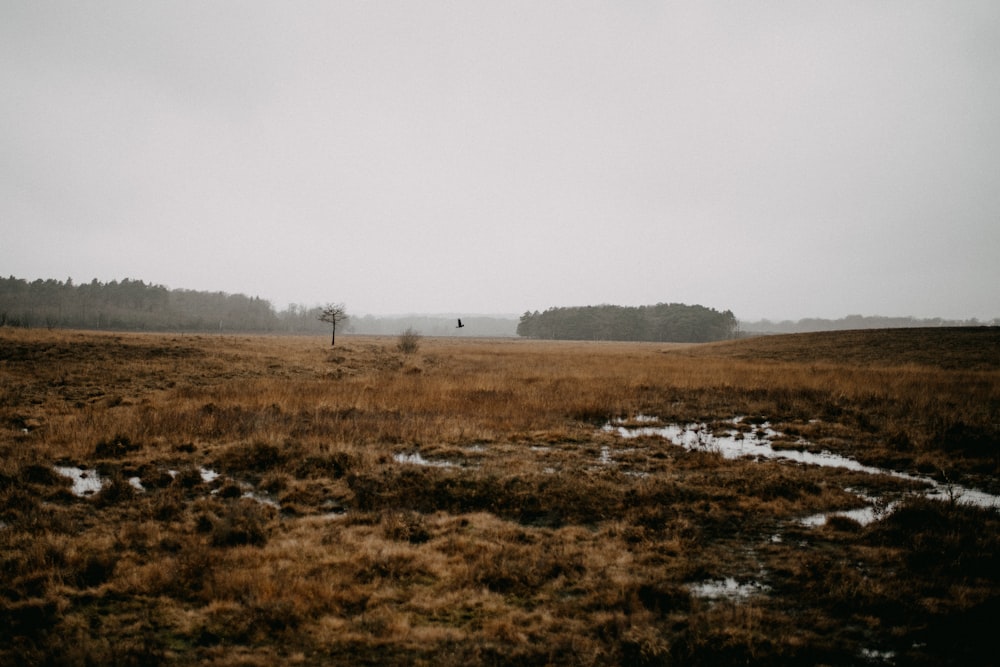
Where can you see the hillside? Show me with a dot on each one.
(968, 348)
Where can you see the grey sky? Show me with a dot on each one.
(780, 159)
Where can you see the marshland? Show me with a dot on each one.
(258, 500)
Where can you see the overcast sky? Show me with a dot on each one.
(778, 159)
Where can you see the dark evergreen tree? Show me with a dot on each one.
(673, 322)
(129, 305)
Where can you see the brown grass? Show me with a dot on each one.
(315, 544)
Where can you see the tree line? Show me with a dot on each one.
(663, 322)
(137, 305)
(856, 322)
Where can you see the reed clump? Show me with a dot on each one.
(265, 500)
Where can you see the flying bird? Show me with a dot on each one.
(460, 325)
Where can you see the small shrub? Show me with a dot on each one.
(167, 506)
(245, 523)
(258, 456)
(95, 569)
(188, 477)
(335, 465)
(970, 440)
(115, 448)
(28, 618)
(42, 475)
(274, 482)
(117, 490)
(409, 341)
(843, 523)
(154, 477)
(405, 526)
(230, 490)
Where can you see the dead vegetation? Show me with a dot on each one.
(268, 500)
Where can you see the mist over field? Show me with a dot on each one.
(137, 306)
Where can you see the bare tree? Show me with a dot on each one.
(334, 313)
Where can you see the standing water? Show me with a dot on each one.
(757, 444)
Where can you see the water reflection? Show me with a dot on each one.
(756, 444)
(86, 481)
(728, 588)
(417, 459)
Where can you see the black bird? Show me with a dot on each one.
(460, 325)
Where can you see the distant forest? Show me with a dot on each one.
(813, 324)
(139, 306)
(663, 322)
(136, 305)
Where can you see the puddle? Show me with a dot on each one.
(876, 510)
(727, 589)
(757, 444)
(700, 437)
(85, 481)
(963, 495)
(873, 655)
(418, 460)
(863, 516)
(605, 458)
(263, 500)
(207, 474)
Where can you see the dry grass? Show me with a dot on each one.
(535, 539)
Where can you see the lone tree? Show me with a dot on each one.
(334, 313)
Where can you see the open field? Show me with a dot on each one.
(214, 500)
